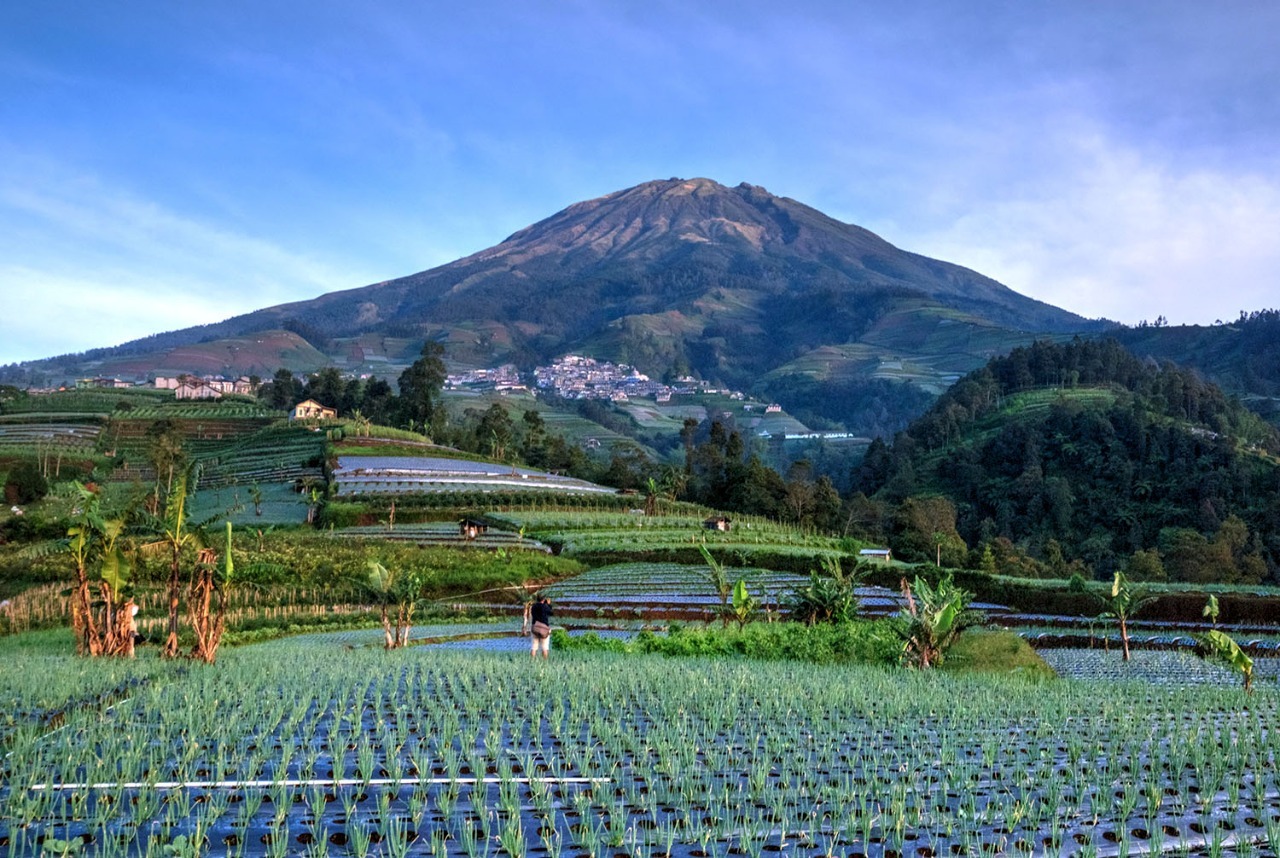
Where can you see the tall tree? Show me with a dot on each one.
(420, 386)
(167, 454)
(283, 391)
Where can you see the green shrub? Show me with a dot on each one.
(25, 484)
(984, 651)
(340, 514)
(853, 642)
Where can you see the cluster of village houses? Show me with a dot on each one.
(571, 377)
(211, 387)
(184, 386)
(579, 377)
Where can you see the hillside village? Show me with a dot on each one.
(569, 377)
(184, 385)
(581, 377)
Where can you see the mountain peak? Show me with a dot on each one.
(734, 281)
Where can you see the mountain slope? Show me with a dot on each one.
(666, 245)
(679, 275)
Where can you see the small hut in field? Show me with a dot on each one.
(470, 528)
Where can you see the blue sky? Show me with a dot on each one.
(165, 164)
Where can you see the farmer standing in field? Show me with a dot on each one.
(537, 619)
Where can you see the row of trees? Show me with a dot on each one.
(416, 406)
(105, 549)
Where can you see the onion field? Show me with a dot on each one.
(1159, 667)
(323, 750)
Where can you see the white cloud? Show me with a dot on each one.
(1118, 234)
(57, 314)
(87, 264)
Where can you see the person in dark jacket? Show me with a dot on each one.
(540, 630)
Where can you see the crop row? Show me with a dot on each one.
(674, 586)
(663, 578)
(1160, 667)
(201, 410)
(551, 521)
(78, 401)
(440, 534)
(425, 485)
(470, 753)
(53, 434)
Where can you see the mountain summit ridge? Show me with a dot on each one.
(678, 224)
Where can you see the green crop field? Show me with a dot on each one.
(314, 747)
(601, 533)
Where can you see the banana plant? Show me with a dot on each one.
(100, 555)
(936, 617)
(173, 534)
(744, 604)
(1125, 601)
(651, 497)
(208, 625)
(394, 587)
(1211, 609)
(1216, 645)
(717, 578)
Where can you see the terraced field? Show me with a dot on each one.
(73, 433)
(272, 455)
(446, 534)
(393, 475)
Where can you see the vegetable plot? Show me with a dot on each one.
(392, 475)
(289, 751)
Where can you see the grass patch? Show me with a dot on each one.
(985, 651)
(860, 642)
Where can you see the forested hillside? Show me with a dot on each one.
(1083, 452)
(1243, 356)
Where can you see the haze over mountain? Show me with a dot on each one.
(673, 276)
